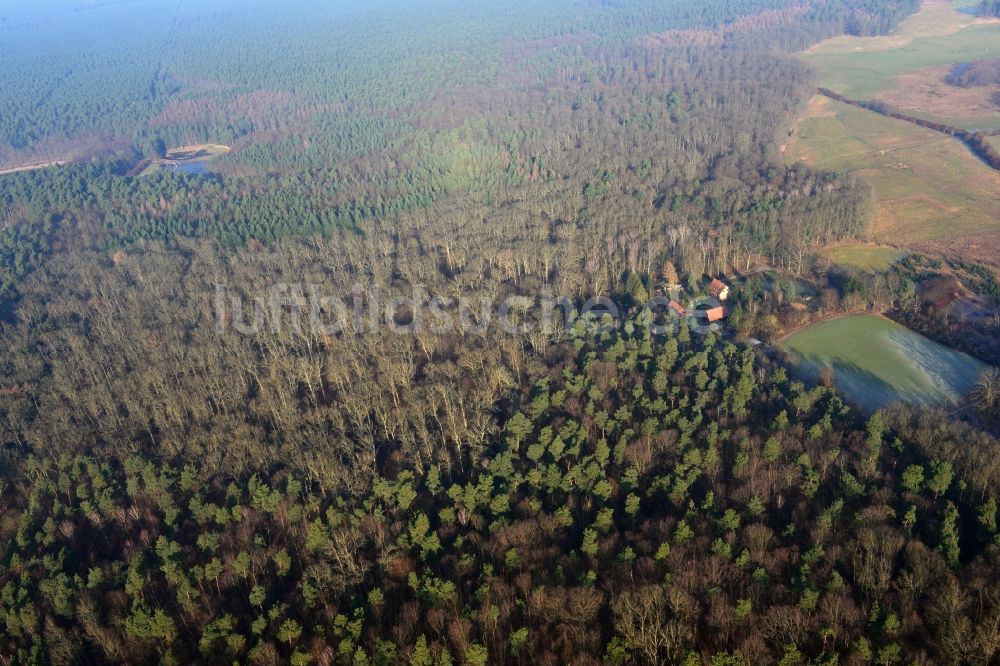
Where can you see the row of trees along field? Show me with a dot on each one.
(647, 500)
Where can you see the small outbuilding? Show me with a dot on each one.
(718, 289)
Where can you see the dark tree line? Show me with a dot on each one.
(975, 74)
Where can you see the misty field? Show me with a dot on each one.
(877, 361)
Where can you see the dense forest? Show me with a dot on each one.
(605, 123)
(177, 489)
(649, 500)
(164, 68)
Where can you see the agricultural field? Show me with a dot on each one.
(981, 248)
(866, 257)
(939, 34)
(876, 361)
(926, 93)
(927, 186)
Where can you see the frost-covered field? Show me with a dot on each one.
(877, 361)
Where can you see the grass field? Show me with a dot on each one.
(865, 257)
(863, 67)
(907, 69)
(927, 185)
(877, 362)
(865, 74)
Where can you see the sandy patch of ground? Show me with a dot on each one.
(32, 167)
(926, 91)
(196, 151)
(201, 153)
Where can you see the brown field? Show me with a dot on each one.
(927, 186)
(925, 91)
(982, 248)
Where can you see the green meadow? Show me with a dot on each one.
(865, 74)
(865, 257)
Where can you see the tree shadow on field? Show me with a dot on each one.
(859, 386)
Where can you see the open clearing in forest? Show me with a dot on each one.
(865, 257)
(192, 159)
(877, 361)
(197, 152)
(927, 186)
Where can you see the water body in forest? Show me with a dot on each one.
(193, 160)
(196, 168)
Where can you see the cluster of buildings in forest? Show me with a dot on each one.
(718, 290)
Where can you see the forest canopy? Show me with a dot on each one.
(173, 490)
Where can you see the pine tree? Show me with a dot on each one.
(421, 654)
